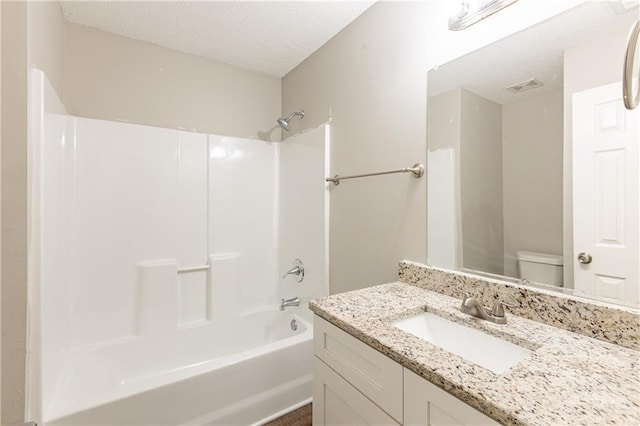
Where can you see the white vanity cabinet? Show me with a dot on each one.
(353, 384)
(353, 381)
(427, 404)
(337, 402)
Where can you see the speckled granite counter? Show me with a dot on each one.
(568, 379)
(611, 323)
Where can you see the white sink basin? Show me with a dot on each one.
(488, 351)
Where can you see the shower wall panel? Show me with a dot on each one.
(56, 287)
(125, 212)
(192, 223)
(243, 216)
(304, 209)
(127, 208)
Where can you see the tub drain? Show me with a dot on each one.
(294, 325)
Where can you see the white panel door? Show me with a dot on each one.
(605, 195)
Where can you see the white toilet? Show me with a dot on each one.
(540, 267)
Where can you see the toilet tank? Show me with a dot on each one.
(540, 267)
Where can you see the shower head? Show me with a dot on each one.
(285, 123)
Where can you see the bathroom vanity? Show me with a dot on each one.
(368, 370)
(355, 384)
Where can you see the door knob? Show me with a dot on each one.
(584, 258)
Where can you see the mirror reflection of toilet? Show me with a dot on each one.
(540, 267)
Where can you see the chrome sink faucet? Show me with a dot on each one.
(471, 306)
(294, 301)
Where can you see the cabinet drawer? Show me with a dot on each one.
(379, 378)
(336, 402)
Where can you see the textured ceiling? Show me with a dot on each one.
(271, 37)
(536, 52)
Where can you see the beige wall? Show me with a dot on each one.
(371, 79)
(589, 65)
(444, 120)
(33, 35)
(112, 77)
(14, 209)
(481, 183)
(45, 40)
(532, 175)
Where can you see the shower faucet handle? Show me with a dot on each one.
(297, 269)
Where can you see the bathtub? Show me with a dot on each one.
(248, 371)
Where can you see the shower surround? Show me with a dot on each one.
(156, 263)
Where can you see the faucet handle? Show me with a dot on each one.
(498, 310)
(296, 269)
(465, 294)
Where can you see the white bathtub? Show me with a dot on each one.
(248, 371)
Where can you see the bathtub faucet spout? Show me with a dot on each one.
(294, 301)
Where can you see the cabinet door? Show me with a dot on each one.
(336, 402)
(427, 404)
(374, 374)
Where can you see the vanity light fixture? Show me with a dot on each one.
(473, 11)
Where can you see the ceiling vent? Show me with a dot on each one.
(523, 86)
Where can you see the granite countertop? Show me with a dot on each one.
(568, 379)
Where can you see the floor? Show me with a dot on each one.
(299, 417)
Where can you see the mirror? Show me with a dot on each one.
(533, 159)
